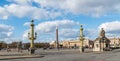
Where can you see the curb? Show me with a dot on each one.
(21, 57)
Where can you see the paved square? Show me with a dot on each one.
(71, 55)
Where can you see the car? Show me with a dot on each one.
(107, 49)
(44, 48)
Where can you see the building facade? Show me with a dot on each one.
(114, 42)
(73, 43)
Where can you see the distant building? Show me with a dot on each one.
(73, 43)
(53, 44)
(114, 42)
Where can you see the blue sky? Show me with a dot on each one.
(15, 17)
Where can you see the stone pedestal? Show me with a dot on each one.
(81, 49)
(31, 50)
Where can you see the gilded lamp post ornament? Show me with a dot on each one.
(32, 36)
(81, 39)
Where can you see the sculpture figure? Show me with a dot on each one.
(102, 33)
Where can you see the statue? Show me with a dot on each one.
(102, 33)
(19, 46)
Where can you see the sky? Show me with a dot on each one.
(67, 15)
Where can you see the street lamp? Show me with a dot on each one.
(32, 38)
(81, 39)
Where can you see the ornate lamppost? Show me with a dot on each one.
(32, 38)
(81, 39)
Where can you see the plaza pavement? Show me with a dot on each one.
(70, 55)
(14, 54)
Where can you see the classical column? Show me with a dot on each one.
(32, 38)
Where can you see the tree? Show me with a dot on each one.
(3, 44)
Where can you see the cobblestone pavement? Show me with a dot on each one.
(72, 55)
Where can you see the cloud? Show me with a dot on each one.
(91, 7)
(51, 25)
(3, 13)
(111, 27)
(41, 9)
(46, 30)
(25, 35)
(21, 2)
(69, 29)
(91, 33)
(69, 33)
(6, 31)
(26, 10)
(27, 24)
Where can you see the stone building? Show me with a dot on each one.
(73, 43)
(53, 44)
(114, 42)
(101, 42)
